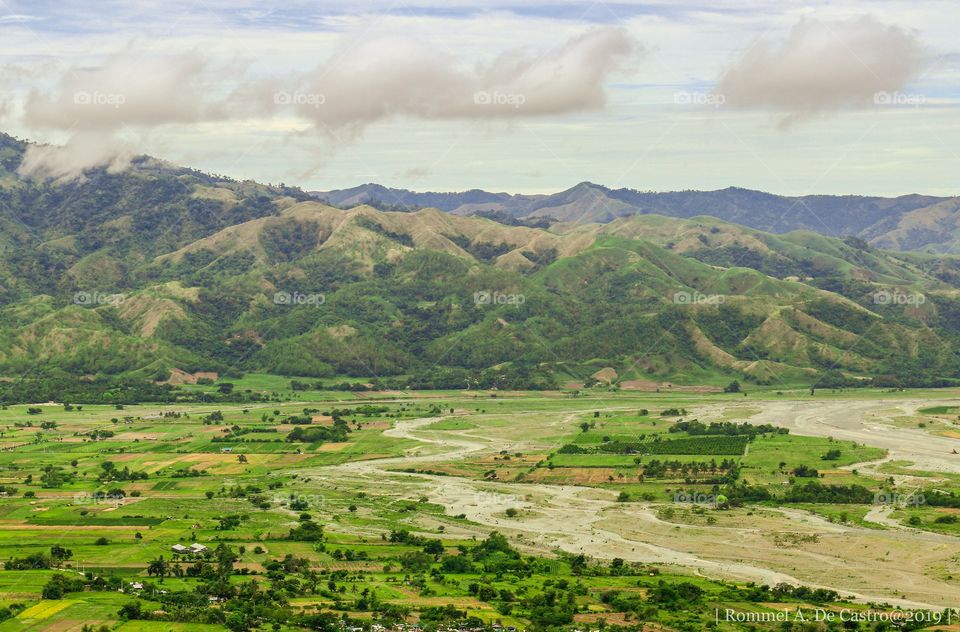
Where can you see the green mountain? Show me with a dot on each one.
(908, 222)
(164, 272)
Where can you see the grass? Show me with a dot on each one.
(939, 410)
(762, 464)
(523, 432)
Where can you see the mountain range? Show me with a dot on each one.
(167, 273)
(908, 222)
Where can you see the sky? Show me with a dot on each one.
(849, 97)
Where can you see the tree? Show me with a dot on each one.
(732, 387)
(456, 564)
(159, 568)
(59, 585)
(416, 561)
(831, 455)
(59, 554)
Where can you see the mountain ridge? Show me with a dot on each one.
(161, 270)
(911, 221)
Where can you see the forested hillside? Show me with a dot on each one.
(163, 272)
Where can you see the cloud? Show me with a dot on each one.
(375, 80)
(84, 150)
(416, 173)
(18, 18)
(128, 94)
(128, 89)
(823, 67)
(367, 81)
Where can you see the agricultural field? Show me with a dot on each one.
(539, 510)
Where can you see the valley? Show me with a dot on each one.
(479, 316)
(543, 469)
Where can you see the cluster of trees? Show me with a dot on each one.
(809, 492)
(55, 476)
(306, 531)
(815, 492)
(318, 434)
(40, 561)
(726, 471)
(110, 472)
(61, 584)
(728, 428)
(242, 606)
(60, 387)
(936, 498)
(719, 444)
(298, 385)
(236, 435)
(543, 597)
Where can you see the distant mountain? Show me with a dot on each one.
(163, 272)
(909, 222)
(466, 203)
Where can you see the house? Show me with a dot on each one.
(136, 586)
(197, 548)
(226, 449)
(179, 548)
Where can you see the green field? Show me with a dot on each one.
(348, 524)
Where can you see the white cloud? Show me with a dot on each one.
(368, 81)
(378, 79)
(128, 89)
(82, 151)
(638, 138)
(128, 94)
(18, 18)
(822, 67)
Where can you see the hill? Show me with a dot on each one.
(164, 272)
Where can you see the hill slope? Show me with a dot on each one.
(162, 271)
